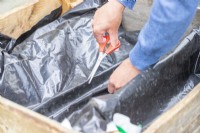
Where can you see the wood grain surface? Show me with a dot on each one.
(22, 18)
(184, 117)
(17, 119)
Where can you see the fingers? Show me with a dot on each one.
(99, 31)
(98, 34)
(111, 87)
(124, 73)
(114, 38)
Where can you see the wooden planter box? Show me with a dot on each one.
(183, 117)
(17, 119)
(13, 24)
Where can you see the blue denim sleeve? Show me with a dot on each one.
(128, 3)
(167, 23)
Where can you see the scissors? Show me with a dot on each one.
(103, 52)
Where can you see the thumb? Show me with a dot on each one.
(114, 38)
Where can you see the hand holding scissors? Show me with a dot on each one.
(103, 52)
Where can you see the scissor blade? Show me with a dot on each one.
(94, 71)
(101, 57)
(94, 67)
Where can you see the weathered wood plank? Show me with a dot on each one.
(68, 4)
(184, 117)
(75, 2)
(17, 119)
(22, 18)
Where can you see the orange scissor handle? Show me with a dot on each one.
(102, 46)
(110, 48)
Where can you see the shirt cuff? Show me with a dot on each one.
(140, 59)
(128, 3)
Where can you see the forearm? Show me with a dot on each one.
(168, 21)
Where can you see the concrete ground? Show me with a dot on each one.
(134, 20)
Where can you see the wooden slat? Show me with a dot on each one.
(24, 17)
(68, 4)
(17, 119)
(184, 117)
(65, 5)
(75, 2)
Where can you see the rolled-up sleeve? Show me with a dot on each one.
(128, 3)
(167, 23)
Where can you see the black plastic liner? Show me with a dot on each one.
(8, 43)
(4, 40)
(47, 72)
(55, 59)
(143, 99)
